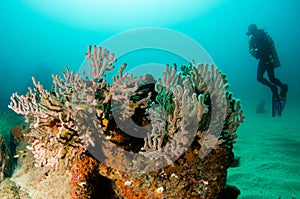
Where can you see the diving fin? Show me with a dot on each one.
(282, 96)
(282, 103)
(276, 107)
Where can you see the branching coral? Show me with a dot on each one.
(50, 116)
(138, 124)
(53, 115)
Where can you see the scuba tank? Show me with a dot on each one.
(266, 40)
(273, 56)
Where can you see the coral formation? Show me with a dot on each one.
(87, 182)
(16, 132)
(9, 190)
(5, 160)
(168, 138)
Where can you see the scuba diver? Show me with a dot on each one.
(261, 46)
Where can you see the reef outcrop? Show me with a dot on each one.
(136, 137)
(5, 160)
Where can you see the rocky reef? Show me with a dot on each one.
(5, 160)
(136, 137)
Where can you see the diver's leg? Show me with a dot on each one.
(260, 77)
(274, 80)
(260, 74)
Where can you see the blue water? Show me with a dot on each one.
(33, 43)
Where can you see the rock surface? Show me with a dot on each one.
(5, 160)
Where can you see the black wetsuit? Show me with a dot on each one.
(261, 49)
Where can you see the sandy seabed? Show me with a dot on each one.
(269, 149)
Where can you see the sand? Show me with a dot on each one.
(270, 158)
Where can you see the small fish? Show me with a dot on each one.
(16, 156)
(105, 121)
(82, 106)
(82, 184)
(29, 148)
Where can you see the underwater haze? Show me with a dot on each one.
(40, 39)
(36, 42)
